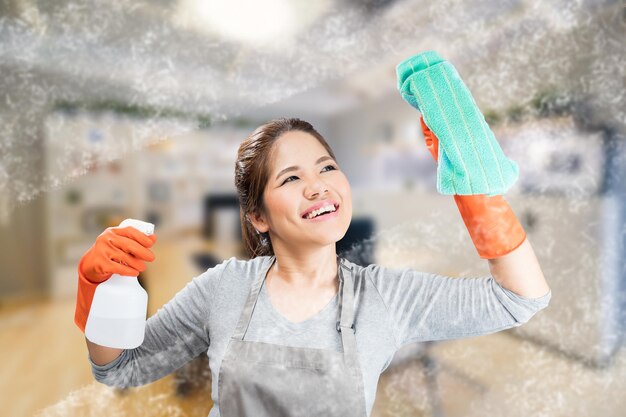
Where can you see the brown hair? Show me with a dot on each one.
(252, 171)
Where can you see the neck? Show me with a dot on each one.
(311, 272)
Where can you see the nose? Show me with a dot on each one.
(316, 188)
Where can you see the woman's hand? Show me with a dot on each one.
(432, 143)
(117, 250)
(490, 221)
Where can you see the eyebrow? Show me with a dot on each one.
(323, 158)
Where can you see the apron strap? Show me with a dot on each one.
(346, 323)
(253, 295)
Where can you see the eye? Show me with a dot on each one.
(293, 176)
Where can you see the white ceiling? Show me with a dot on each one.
(138, 52)
(143, 52)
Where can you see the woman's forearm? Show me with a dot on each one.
(520, 272)
(102, 355)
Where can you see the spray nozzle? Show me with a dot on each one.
(144, 227)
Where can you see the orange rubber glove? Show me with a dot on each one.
(490, 221)
(116, 251)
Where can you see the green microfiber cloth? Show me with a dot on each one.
(470, 158)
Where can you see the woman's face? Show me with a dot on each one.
(302, 175)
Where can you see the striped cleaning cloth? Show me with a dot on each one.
(470, 158)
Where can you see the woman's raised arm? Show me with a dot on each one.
(519, 271)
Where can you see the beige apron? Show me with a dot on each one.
(268, 380)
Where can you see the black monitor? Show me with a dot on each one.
(219, 201)
(357, 245)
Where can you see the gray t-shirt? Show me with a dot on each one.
(393, 307)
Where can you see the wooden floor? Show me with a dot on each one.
(45, 372)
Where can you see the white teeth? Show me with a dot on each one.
(320, 211)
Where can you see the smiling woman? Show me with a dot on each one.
(285, 169)
(297, 330)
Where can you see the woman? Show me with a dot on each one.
(297, 330)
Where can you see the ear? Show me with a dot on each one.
(258, 221)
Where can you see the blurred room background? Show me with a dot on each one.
(135, 109)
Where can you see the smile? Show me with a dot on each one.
(325, 216)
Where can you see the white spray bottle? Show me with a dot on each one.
(117, 317)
